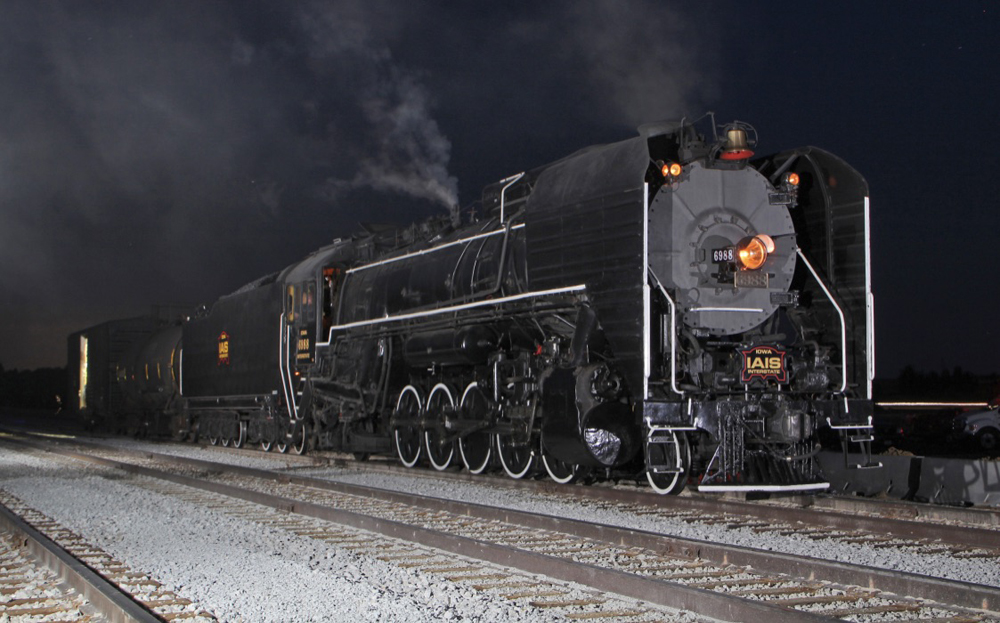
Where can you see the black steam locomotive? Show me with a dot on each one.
(669, 305)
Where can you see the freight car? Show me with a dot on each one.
(122, 373)
(668, 306)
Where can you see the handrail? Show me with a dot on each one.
(510, 182)
(287, 388)
(869, 299)
(843, 322)
(673, 332)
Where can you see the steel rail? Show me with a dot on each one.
(950, 592)
(834, 514)
(110, 600)
(899, 518)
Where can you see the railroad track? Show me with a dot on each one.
(49, 573)
(722, 582)
(908, 526)
(558, 599)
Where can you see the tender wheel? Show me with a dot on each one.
(241, 440)
(407, 437)
(213, 441)
(988, 441)
(678, 456)
(476, 448)
(225, 442)
(517, 459)
(266, 445)
(560, 471)
(439, 401)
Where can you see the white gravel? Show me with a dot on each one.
(244, 571)
(975, 570)
(236, 568)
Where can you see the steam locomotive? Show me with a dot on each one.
(668, 306)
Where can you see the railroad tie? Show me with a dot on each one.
(845, 612)
(495, 585)
(535, 593)
(566, 603)
(774, 592)
(476, 576)
(610, 614)
(824, 599)
(394, 557)
(766, 581)
(445, 570)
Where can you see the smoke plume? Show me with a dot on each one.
(402, 148)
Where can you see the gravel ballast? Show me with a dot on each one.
(236, 568)
(975, 570)
(244, 571)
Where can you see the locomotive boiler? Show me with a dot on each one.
(670, 306)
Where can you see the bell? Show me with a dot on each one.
(736, 145)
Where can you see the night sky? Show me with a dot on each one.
(168, 152)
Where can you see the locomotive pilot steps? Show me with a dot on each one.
(668, 306)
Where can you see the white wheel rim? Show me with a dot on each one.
(239, 441)
(560, 480)
(416, 457)
(473, 469)
(662, 490)
(510, 472)
(677, 476)
(265, 446)
(301, 447)
(430, 455)
(440, 387)
(409, 389)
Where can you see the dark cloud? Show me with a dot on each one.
(156, 153)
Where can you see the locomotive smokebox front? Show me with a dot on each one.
(696, 233)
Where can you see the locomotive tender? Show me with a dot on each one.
(667, 305)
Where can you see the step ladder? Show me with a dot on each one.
(861, 434)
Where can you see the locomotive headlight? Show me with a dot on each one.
(753, 252)
(792, 179)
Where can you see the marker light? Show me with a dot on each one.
(753, 252)
(792, 179)
(671, 169)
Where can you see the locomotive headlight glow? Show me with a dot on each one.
(792, 179)
(753, 252)
(670, 170)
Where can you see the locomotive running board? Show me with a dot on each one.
(815, 486)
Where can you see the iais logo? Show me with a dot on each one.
(223, 349)
(763, 362)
